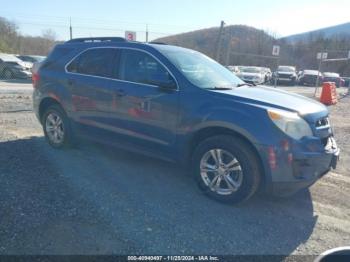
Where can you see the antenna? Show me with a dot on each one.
(70, 29)
(146, 33)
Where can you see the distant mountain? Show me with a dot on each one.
(245, 45)
(328, 32)
(239, 39)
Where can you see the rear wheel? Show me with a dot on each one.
(56, 127)
(226, 169)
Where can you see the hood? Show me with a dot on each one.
(271, 97)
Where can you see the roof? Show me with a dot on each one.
(119, 41)
(331, 74)
(311, 72)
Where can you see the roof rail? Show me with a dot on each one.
(96, 39)
(157, 43)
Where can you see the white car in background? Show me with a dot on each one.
(252, 75)
(12, 67)
(29, 60)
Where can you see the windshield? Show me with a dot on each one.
(27, 59)
(251, 70)
(201, 70)
(286, 69)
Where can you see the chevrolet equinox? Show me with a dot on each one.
(180, 105)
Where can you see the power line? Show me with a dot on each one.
(94, 28)
(104, 21)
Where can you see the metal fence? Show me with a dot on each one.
(12, 69)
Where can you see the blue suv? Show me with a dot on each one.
(180, 105)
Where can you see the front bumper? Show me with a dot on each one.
(304, 168)
(285, 79)
(22, 74)
(253, 81)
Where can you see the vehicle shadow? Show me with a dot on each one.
(153, 206)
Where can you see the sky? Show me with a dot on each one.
(167, 17)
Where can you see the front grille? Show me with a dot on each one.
(248, 77)
(284, 75)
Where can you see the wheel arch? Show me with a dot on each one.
(46, 103)
(207, 132)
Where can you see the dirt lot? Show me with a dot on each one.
(96, 200)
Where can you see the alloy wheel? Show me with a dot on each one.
(221, 172)
(54, 128)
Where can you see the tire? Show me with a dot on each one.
(51, 124)
(245, 175)
(7, 74)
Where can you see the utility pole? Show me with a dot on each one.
(146, 33)
(219, 42)
(70, 28)
(228, 47)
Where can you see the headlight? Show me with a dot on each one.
(290, 123)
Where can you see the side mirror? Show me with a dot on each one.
(170, 84)
(163, 81)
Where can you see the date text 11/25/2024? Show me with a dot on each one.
(173, 258)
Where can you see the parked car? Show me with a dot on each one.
(30, 60)
(286, 75)
(12, 67)
(179, 105)
(333, 77)
(346, 81)
(309, 77)
(234, 69)
(252, 75)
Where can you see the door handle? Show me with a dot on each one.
(71, 82)
(120, 93)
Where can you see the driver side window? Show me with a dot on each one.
(140, 67)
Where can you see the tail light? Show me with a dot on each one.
(35, 79)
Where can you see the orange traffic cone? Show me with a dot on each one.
(329, 94)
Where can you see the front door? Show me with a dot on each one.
(149, 112)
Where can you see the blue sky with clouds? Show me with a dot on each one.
(165, 17)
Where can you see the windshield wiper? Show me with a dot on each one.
(245, 84)
(221, 88)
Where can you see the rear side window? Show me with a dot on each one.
(95, 62)
(140, 67)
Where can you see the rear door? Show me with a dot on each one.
(90, 85)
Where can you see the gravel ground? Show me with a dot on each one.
(97, 200)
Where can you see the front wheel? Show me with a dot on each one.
(7, 74)
(56, 127)
(226, 169)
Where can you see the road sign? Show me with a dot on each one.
(322, 56)
(130, 35)
(276, 50)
